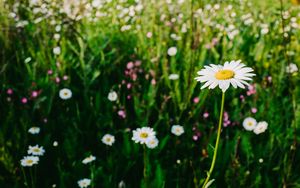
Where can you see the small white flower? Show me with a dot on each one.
(260, 160)
(177, 130)
(65, 94)
(153, 143)
(36, 150)
(55, 143)
(108, 139)
(233, 72)
(34, 130)
(260, 127)
(172, 51)
(143, 135)
(29, 161)
(292, 68)
(112, 96)
(88, 159)
(84, 183)
(249, 123)
(173, 76)
(56, 50)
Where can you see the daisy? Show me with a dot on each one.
(177, 130)
(36, 150)
(173, 76)
(84, 183)
(56, 50)
(34, 130)
(88, 159)
(108, 139)
(233, 72)
(29, 160)
(292, 68)
(143, 135)
(249, 123)
(172, 51)
(112, 96)
(153, 143)
(260, 127)
(65, 93)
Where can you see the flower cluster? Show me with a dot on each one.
(145, 135)
(250, 124)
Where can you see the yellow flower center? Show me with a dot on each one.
(224, 74)
(29, 161)
(144, 135)
(250, 124)
(36, 150)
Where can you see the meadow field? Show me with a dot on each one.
(149, 93)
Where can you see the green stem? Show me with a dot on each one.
(217, 142)
(26, 183)
(145, 168)
(31, 177)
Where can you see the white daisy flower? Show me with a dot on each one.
(260, 127)
(172, 51)
(88, 159)
(29, 160)
(177, 130)
(291, 68)
(36, 150)
(153, 143)
(112, 96)
(84, 183)
(108, 139)
(173, 76)
(143, 135)
(34, 130)
(233, 72)
(249, 123)
(56, 50)
(65, 93)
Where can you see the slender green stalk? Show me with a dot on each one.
(26, 183)
(217, 142)
(145, 168)
(31, 177)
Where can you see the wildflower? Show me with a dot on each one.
(292, 68)
(55, 144)
(260, 160)
(234, 73)
(29, 161)
(84, 183)
(249, 123)
(143, 135)
(56, 50)
(34, 130)
(9, 91)
(172, 51)
(153, 143)
(112, 96)
(122, 114)
(24, 100)
(65, 94)
(205, 115)
(173, 76)
(36, 150)
(108, 139)
(260, 127)
(88, 159)
(177, 130)
(253, 110)
(34, 94)
(196, 100)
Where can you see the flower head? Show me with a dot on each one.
(34, 130)
(29, 161)
(143, 135)
(260, 127)
(233, 72)
(84, 182)
(108, 139)
(88, 159)
(112, 96)
(172, 51)
(153, 143)
(65, 94)
(177, 130)
(36, 150)
(249, 123)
